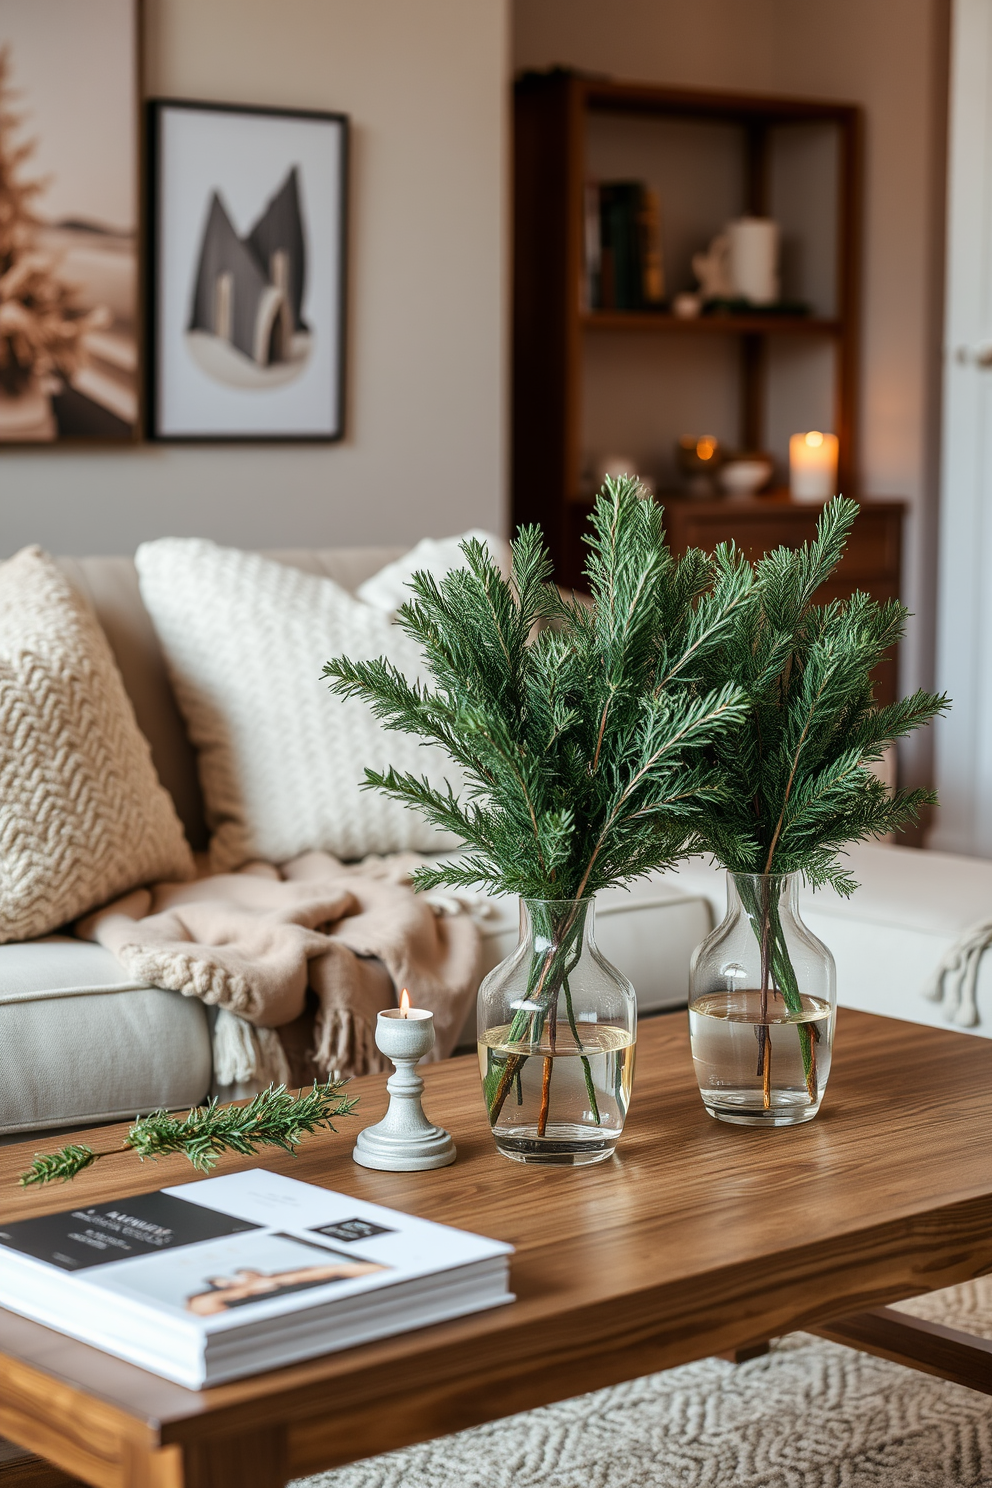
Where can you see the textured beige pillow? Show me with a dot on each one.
(281, 759)
(83, 817)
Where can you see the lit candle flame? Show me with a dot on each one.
(405, 1003)
(814, 439)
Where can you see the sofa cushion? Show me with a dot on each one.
(110, 587)
(281, 758)
(390, 587)
(83, 817)
(890, 937)
(80, 1041)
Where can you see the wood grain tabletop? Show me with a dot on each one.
(694, 1238)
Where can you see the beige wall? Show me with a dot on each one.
(891, 57)
(424, 83)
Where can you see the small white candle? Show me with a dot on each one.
(813, 466)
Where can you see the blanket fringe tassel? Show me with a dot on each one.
(955, 982)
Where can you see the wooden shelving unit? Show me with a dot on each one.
(657, 323)
(553, 332)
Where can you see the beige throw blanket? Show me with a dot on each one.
(251, 943)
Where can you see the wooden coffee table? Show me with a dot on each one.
(695, 1239)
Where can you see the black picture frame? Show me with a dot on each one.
(246, 233)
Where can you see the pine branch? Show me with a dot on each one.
(564, 735)
(274, 1118)
(795, 786)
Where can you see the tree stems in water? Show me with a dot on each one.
(558, 940)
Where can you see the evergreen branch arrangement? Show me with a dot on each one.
(583, 744)
(274, 1118)
(796, 774)
(698, 705)
(796, 777)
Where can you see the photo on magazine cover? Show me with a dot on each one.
(223, 1275)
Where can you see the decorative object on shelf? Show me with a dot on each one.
(68, 221)
(762, 972)
(687, 305)
(588, 1044)
(622, 239)
(699, 457)
(752, 259)
(712, 268)
(796, 784)
(581, 748)
(274, 1118)
(247, 237)
(404, 1141)
(740, 266)
(813, 466)
(745, 475)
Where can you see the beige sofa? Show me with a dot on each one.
(81, 1042)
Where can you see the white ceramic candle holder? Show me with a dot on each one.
(404, 1141)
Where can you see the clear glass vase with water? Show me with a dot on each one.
(762, 1007)
(557, 1026)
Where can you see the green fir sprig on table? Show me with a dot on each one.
(274, 1118)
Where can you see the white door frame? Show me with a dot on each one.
(963, 742)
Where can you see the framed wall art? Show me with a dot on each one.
(69, 304)
(247, 243)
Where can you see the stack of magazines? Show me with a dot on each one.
(222, 1278)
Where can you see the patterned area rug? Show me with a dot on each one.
(810, 1414)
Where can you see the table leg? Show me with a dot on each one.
(914, 1341)
(741, 1355)
(249, 1459)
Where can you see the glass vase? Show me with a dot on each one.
(762, 1007)
(557, 1025)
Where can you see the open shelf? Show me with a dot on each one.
(662, 323)
(588, 384)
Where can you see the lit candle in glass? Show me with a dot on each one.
(813, 466)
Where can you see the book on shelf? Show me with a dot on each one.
(624, 269)
(225, 1277)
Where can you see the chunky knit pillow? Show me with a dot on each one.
(281, 759)
(83, 817)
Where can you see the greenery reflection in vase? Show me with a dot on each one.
(797, 782)
(579, 733)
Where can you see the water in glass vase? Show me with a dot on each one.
(760, 1066)
(565, 1104)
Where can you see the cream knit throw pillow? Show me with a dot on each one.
(281, 758)
(83, 817)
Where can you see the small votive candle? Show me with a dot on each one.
(813, 466)
(404, 1141)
